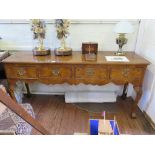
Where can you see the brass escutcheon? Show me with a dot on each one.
(90, 71)
(21, 72)
(125, 72)
(56, 72)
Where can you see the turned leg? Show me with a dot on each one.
(124, 94)
(11, 91)
(138, 90)
(28, 90)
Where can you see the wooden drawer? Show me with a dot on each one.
(122, 74)
(21, 72)
(55, 71)
(91, 72)
(136, 74)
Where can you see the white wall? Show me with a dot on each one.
(146, 48)
(17, 36)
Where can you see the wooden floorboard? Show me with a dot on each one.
(61, 118)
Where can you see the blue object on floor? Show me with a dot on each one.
(94, 127)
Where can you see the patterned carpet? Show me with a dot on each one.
(12, 123)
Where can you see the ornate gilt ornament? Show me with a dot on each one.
(39, 30)
(62, 29)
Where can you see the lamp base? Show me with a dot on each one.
(120, 53)
(121, 40)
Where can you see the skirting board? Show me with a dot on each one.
(91, 97)
(149, 119)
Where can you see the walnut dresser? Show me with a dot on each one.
(23, 66)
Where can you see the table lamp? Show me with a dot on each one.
(122, 28)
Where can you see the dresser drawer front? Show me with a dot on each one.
(119, 74)
(21, 72)
(91, 72)
(127, 74)
(136, 74)
(55, 71)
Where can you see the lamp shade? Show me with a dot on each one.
(123, 27)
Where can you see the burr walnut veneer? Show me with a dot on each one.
(74, 69)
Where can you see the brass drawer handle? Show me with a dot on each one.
(56, 72)
(21, 72)
(90, 71)
(125, 72)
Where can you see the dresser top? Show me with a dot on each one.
(27, 57)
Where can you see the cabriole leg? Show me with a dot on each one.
(138, 90)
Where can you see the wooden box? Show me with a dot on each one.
(89, 47)
(104, 127)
